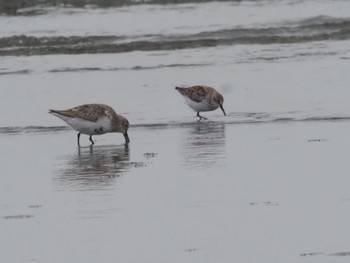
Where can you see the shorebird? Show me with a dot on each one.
(202, 98)
(94, 119)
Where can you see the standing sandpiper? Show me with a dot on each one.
(94, 119)
(202, 98)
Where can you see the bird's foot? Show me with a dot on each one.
(201, 117)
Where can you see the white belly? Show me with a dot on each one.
(205, 105)
(102, 126)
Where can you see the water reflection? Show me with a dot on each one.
(204, 145)
(94, 168)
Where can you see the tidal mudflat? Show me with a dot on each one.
(196, 192)
(267, 183)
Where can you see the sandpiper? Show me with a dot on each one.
(94, 119)
(202, 98)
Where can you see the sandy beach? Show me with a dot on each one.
(199, 193)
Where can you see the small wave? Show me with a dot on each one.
(84, 69)
(68, 69)
(32, 129)
(337, 254)
(236, 119)
(39, 7)
(315, 29)
(341, 254)
(24, 71)
(18, 217)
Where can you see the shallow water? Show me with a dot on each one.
(206, 192)
(266, 183)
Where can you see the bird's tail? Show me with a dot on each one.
(60, 114)
(180, 89)
(56, 112)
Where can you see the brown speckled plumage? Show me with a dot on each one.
(94, 119)
(89, 112)
(196, 93)
(202, 98)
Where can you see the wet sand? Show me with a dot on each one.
(204, 192)
(266, 183)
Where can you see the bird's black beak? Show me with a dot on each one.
(126, 136)
(222, 108)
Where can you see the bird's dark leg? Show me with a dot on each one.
(79, 139)
(201, 117)
(126, 136)
(90, 138)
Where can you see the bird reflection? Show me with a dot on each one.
(204, 145)
(94, 167)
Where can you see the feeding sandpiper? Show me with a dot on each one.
(202, 98)
(94, 119)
